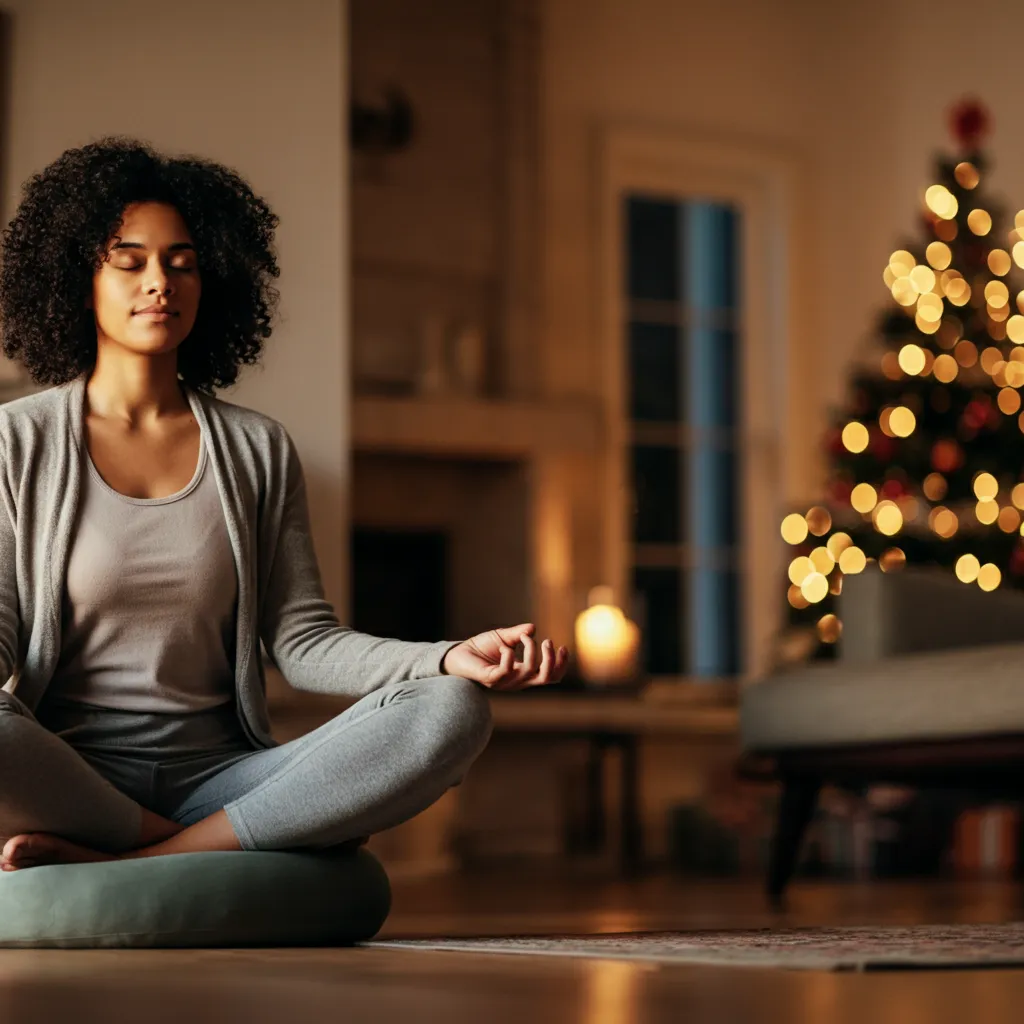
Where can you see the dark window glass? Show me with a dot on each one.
(715, 511)
(658, 606)
(656, 490)
(655, 254)
(716, 636)
(655, 353)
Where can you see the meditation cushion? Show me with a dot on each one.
(250, 898)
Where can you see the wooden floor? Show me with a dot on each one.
(355, 985)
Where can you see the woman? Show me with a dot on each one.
(151, 535)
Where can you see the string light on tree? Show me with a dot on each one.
(930, 430)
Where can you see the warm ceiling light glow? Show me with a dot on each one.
(979, 222)
(939, 255)
(1017, 495)
(986, 487)
(863, 498)
(999, 262)
(888, 277)
(967, 567)
(855, 437)
(852, 561)
(796, 598)
(1018, 254)
(902, 421)
(912, 359)
(945, 368)
(838, 543)
(989, 576)
(1014, 373)
(888, 518)
(814, 587)
(1015, 327)
(924, 325)
(794, 529)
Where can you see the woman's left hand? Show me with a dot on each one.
(489, 658)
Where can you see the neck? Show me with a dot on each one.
(135, 390)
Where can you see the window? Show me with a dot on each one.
(683, 370)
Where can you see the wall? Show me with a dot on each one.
(855, 94)
(259, 86)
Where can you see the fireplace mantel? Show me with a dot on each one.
(474, 428)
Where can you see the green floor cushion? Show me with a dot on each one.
(249, 898)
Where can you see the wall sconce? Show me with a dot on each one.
(607, 643)
(379, 129)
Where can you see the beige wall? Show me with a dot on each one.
(258, 85)
(856, 94)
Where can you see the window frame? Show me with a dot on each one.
(760, 183)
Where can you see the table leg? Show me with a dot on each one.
(632, 831)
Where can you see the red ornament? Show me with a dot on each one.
(969, 121)
(1017, 560)
(892, 489)
(947, 456)
(976, 414)
(839, 491)
(881, 445)
(834, 442)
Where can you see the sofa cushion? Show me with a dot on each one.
(251, 898)
(977, 691)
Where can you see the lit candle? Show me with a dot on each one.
(607, 645)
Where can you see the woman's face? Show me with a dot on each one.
(150, 263)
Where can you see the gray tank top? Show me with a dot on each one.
(148, 623)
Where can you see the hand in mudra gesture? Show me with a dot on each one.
(489, 658)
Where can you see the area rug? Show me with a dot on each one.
(939, 947)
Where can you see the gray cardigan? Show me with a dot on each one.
(263, 493)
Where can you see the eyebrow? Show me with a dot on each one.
(138, 245)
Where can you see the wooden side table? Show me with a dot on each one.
(609, 722)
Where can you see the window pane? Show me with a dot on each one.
(654, 359)
(714, 625)
(657, 510)
(658, 607)
(654, 252)
(713, 497)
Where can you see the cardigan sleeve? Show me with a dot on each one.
(299, 627)
(9, 605)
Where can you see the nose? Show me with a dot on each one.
(158, 280)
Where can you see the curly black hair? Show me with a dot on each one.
(57, 240)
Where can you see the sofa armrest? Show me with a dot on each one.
(922, 609)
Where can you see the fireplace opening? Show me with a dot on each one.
(400, 583)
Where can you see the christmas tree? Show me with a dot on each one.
(926, 457)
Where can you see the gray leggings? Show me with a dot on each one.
(381, 761)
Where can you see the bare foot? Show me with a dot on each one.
(33, 849)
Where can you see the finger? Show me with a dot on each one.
(497, 674)
(561, 663)
(528, 668)
(547, 663)
(512, 634)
